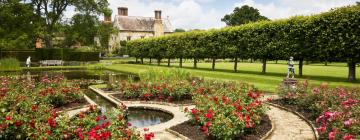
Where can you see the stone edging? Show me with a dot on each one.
(271, 130)
(299, 115)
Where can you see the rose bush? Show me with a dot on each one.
(226, 110)
(338, 109)
(28, 112)
(175, 90)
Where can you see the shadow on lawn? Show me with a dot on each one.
(280, 75)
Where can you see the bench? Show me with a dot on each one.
(51, 63)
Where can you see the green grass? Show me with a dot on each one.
(9, 64)
(335, 74)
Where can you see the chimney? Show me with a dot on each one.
(158, 14)
(123, 11)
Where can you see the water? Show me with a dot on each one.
(139, 117)
(102, 102)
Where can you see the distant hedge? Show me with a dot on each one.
(330, 36)
(50, 54)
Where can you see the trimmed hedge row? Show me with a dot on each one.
(50, 54)
(330, 36)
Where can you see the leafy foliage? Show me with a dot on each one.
(243, 15)
(318, 37)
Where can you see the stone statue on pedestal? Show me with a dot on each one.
(291, 69)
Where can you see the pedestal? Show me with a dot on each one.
(290, 81)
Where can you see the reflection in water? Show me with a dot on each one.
(146, 117)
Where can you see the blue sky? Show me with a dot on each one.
(207, 14)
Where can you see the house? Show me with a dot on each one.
(136, 27)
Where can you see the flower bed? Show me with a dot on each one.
(28, 112)
(335, 111)
(226, 110)
(157, 91)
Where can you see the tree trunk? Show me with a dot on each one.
(168, 62)
(195, 63)
(158, 61)
(213, 64)
(48, 41)
(136, 60)
(180, 62)
(352, 71)
(301, 62)
(264, 66)
(251, 60)
(242, 59)
(150, 61)
(142, 60)
(276, 61)
(236, 63)
(326, 62)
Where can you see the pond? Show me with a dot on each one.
(140, 117)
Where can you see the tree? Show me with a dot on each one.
(52, 11)
(178, 30)
(104, 33)
(18, 26)
(243, 15)
(83, 30)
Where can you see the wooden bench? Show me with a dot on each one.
(51, 63)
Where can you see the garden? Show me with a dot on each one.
(129, 101)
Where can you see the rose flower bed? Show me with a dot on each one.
(335, 111)
(160, 91)
(28, 112)
(174, 85)
(226, 110)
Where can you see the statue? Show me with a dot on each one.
(291, 69)
(28, 62)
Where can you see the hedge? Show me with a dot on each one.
(50, 54)
(330, 36)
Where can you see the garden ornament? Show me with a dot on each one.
(291, 69)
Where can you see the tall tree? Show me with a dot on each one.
(243, 15)
(52, 11)
(18, 25)
(179, 30)
(83, 30)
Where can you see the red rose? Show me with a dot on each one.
(7, 118)
(18, 123)
(97, 118)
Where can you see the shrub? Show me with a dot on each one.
(9, 64)
(226, 110)
(338, 109)
(174, 74)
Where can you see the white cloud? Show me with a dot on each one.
(286, 8)
(188, 14)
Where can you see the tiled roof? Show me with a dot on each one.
(144, 24)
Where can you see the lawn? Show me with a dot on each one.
(335, 74)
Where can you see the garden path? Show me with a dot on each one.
(288, 126)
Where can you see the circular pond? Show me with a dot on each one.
(141, 117)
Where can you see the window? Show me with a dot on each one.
(128, 38)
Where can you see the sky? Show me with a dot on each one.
(207, 14)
